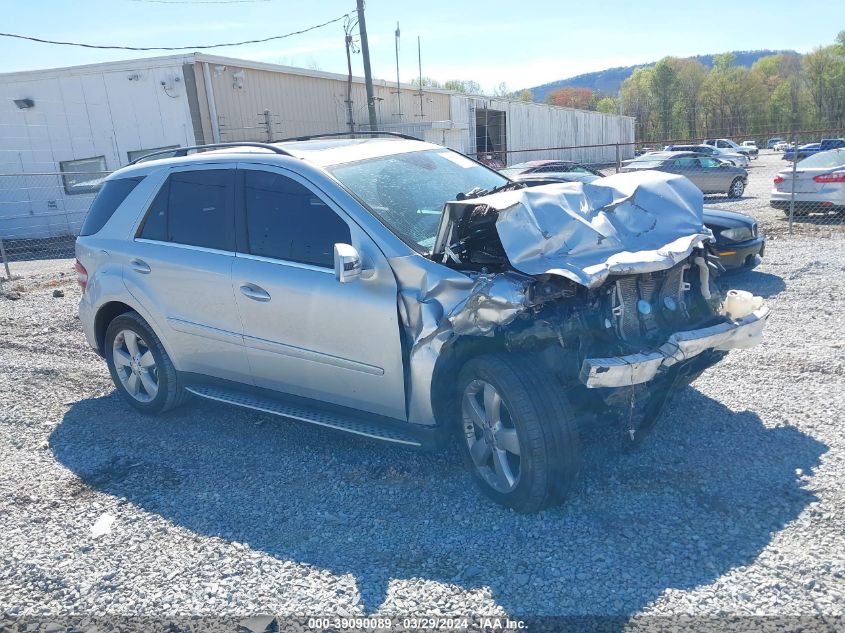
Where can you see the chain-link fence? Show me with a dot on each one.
(41, 213)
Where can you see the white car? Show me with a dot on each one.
(782, 145)
(730, 146)
(819, 184)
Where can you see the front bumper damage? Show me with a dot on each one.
(634, 369)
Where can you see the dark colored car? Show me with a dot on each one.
(739, 244)
(545, 178)
(711, 175)
(535, 167)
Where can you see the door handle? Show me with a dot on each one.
(255, 292)
(140, 266)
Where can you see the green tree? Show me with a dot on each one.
(607, 105)
(664, 92)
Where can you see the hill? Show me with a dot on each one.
(608, 81)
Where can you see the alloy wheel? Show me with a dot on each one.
(135, 366)
(491, 436)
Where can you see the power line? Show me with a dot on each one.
(173, 48)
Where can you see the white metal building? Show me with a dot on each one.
(65, 128)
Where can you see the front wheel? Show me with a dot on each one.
(736, 189)
(139, 365)
(518, 437)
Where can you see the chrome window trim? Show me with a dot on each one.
(190, 247)
(285, 262)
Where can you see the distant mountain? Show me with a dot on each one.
(608, 81)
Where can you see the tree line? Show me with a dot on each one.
(682, 98)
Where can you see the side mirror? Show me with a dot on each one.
(347, 263)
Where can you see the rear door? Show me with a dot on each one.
(179, 268)
(690, 167)
(305, 333)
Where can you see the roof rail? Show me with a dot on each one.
(183, 151)
(308, 137)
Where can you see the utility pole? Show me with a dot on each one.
(368, 75)
(419, 60)
(398, 87)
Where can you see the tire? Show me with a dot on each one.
(534, 412)
(736, 189)
(140, 353)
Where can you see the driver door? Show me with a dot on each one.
(305, 333)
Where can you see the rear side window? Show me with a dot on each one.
(194, 208)
(286, 220)
(111, 196)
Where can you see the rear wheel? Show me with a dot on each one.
(140, 367)
(518, 432)
(736, 189)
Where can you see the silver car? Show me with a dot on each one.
(711, 175)
(398, 290)
(819, 184)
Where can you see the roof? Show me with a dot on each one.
(320, 152)
(193, 58)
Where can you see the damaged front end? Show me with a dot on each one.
(610, 285)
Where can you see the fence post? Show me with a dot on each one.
(618, 162)
(792, 192)
(5, 260)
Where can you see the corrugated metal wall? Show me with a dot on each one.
(533, 126)
(304, 104)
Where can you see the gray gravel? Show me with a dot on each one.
(734, 506)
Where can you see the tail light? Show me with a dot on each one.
(779, 179)
(81, 274)
(834, 176)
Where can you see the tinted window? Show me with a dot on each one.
(194, 208)
(111, 196)
(285, 220)
(686, 163)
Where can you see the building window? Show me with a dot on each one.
(140, 153)
(85, 175)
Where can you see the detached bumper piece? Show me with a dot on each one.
(634, 369)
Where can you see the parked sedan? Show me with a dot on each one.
(547, 166)
(545, 178)
(819, 184)
(740, 160)
(738, 242)
(711, 175)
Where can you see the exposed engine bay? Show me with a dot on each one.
(611, 284)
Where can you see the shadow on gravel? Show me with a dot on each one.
(703, 495)
(759, 283)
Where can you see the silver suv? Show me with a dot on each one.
(398, 290)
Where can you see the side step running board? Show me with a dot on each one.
(358, 425)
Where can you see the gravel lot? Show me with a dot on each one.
(733, 507)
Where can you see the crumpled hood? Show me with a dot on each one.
(623, 224)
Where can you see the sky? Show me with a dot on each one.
(523, 43)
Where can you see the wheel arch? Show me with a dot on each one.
(110, 310)
(453, 356)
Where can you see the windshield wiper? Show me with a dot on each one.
(477, 192)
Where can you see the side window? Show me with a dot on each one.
(111, 196)
(710, 162)
(686, 163)
(285, 220)
(194, 208)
